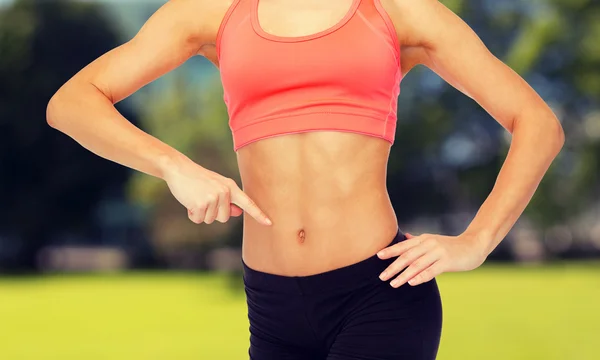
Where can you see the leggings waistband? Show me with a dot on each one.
(344, 277)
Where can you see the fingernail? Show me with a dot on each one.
(268, 221)
(395, 283)
(383, 276)
(411, 282)
(380, 254)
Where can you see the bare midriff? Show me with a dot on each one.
(326, 195)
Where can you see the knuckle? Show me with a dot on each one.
(225, 194)
(429, 241)
(200, 207)
(229, 182)
(428, 275)
(394, 249)
(410, 254)
(425, 274)
(223, 219)
(255, 208)
(411, 269)
(433, 246)
(401, 261)
(400, 264)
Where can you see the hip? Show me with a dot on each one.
(344, 312)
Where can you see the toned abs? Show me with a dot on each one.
(326, 195)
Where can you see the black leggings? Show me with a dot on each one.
(343, 314)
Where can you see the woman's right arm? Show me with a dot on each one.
(83, 108)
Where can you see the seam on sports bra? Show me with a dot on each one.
(224, 22)
(239, 146)
(395, 52)
(310, 113)
(393, 97)
(390, 25)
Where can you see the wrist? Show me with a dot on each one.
(481, 240)
(170, 163)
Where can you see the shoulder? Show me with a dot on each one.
(199, 8)
(414, 19)
(422, 26)
(198, 20)
(408, 17)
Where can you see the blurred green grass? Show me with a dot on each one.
(495, 312)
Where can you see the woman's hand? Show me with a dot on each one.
(209, 196)
(426, 256)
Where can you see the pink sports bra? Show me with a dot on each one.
(345, 78)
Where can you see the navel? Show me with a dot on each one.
(301, 236)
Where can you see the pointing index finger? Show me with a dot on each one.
(239, 198)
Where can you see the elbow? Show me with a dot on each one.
(52, 111)
(543, 128)
(58, 108)
(65, 106)
(552, 138)
(557, 135)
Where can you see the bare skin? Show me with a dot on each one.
(316, 201)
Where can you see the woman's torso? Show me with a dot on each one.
(326, 195)
(325, 191)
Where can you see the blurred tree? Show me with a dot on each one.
(456, 149)
(49, 184)
(190, 116)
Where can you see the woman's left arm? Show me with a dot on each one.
(447, 45)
